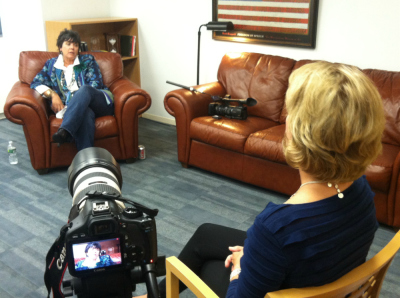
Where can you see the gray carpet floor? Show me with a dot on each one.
(33, 207)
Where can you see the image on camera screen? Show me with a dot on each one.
(97, 254)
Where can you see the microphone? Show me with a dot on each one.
(183, 86)
(214, 97)
(249, 101)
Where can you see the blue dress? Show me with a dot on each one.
(293, 246)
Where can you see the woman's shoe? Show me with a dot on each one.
(62, 136)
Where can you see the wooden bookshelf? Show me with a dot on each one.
(98, 27)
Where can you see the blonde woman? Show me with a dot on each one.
(333, 132)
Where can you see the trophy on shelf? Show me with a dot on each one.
(112, 41)
(95, 44)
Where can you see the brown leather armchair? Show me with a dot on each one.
(118, 134)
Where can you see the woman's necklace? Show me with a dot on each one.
(64, 83)
(340, 194)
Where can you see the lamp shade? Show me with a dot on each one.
(220, 26)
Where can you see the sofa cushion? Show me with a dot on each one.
(268, 86)
(379, 173)
(263, 77)
(236, 71)
(267, 144)
(388, 83)
(226, 133)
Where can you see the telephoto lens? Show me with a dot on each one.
(93, 169)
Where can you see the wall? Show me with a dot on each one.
(18, 36)
(358, 32)
(23, 24)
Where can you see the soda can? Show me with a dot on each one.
(142, 152)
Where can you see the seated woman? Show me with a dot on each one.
(74, 81)
(333, 132)
(93, 258)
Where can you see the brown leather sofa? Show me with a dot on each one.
(118, 134)
(251, 150)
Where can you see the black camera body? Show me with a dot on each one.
(128, 235)
(110, 242)
(229, 111)
(221, 106)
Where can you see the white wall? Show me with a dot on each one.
(22, 29)
(359, 32)
(23, 24)
(364, 33)
(74, 9)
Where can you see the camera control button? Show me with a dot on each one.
(82, 235)
(75, 236)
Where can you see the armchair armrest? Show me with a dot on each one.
(129, 102)
(21, 99)
(185, 105)
(194, 104)
(28, 108)
(177, 271)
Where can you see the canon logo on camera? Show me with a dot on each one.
(61, 259)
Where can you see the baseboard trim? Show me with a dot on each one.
(2, 116)
(159, 119)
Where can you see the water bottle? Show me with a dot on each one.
(12, 153)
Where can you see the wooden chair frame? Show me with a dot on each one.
(364, 281)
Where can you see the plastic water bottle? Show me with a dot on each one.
(12, 153)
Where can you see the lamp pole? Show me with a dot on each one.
(198, 52)
(217, 26)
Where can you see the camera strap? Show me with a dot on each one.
(56, 265)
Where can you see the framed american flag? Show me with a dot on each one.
(280, 22)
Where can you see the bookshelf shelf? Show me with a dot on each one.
(98, 27)
(129, 58)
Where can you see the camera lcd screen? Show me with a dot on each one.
(97, 254)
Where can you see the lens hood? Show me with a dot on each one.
(92, 157)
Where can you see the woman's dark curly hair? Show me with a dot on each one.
(68, 35)
(92, 245)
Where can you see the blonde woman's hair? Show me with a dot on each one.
(335, 121)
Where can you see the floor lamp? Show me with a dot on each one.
(215, 26)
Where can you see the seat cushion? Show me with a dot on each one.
(267, 144)
(230, 134)
(379, 174)
(106, 127)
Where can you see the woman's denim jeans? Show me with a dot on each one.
(84, 107)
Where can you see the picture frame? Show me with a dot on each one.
(112, 43)
(286, 23)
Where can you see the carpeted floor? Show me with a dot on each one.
(33, 207)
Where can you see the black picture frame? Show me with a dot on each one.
(256, 22)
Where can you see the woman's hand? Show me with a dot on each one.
(234, 258)
(56, 103)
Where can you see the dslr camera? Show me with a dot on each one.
(110, 243)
